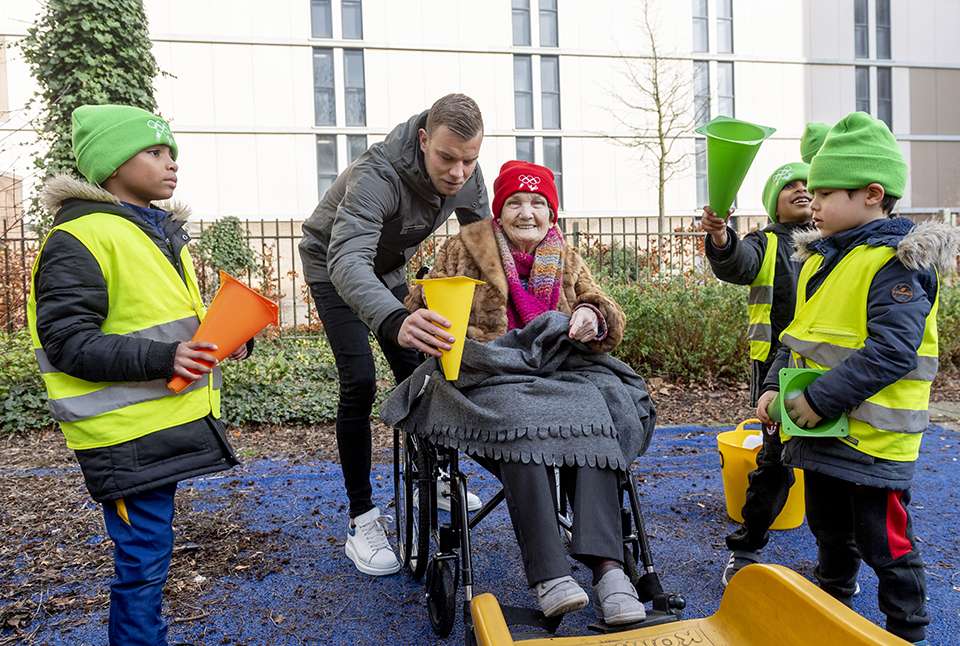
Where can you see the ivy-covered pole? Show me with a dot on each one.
(80, 52)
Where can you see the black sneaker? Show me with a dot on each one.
(738, 560)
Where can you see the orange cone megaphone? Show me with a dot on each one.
(236, 314)
(452, 299)
(731, 148)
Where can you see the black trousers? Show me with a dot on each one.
(851, 522)
(766, 495)
(531, 499)
(349, 339)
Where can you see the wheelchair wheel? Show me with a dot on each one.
(425, 515)
(411, 541)
(441, 597)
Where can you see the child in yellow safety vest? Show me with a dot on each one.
(113, 305)
(763, 260)
(867, 312)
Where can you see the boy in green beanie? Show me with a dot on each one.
(763, 260)
(113, 305)
(867, 313)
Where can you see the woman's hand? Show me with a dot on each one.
(800, 412)
(187, 360)
(425, 331)
(762, 405)
(584, 325)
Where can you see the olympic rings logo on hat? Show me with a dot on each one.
(532, 181)
(783, 174)
(162, 129)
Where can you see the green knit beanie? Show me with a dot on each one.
(780, 178)
(812, 139)
(106, 136)
(857, 152)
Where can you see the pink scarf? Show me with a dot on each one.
(543, 272)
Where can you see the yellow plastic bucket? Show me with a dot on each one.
(451, 298)
(736, 462)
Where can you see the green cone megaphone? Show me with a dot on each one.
(731, 147)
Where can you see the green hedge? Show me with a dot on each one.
(679, 329)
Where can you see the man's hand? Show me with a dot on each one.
(584, 325)
(187, 361)
(715, 226)
(425, 330)
(800, 412)
(762, 405)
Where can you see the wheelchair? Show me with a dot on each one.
(417, 466)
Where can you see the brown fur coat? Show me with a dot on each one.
(473, 253)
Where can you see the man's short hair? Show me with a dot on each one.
(459, 113)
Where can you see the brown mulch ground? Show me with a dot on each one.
(55, 554)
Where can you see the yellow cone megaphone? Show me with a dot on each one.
(731, 147)
(452, 299)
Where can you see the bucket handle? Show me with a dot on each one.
(749, 421)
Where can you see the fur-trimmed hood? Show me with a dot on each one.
(62, 187)
(919, 246)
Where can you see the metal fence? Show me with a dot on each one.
(629, 248)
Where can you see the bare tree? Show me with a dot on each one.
(656, 105)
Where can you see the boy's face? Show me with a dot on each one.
(148, 176)
(835, 210)
(793, 203)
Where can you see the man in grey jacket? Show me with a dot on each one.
(355, 248)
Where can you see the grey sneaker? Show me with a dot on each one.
(739, 559)
(616, 601)
(560, 596)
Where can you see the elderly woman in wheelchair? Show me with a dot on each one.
(539, 390)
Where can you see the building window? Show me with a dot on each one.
(549, 36)
(553, 159)
(550, 91)
(355, 96)
(885, 96)
(725, 89)
(701, 92)
(725, 26)
(863, 88)
(352, 19)
(525, 150)
(861, 30)
(523, 91)
(324, 96)
(521, 22)
(356, 146)
(321, 19)
(703, 189)
(701, 41)
(326, 162)
(883, 29)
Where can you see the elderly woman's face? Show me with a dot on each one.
(525, 219)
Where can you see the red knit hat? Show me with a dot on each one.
(520, 176)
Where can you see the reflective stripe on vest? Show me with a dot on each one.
(760, 303)
(148, 299)
(832, 325)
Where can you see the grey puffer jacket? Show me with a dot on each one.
(373, 218)
(72, 303)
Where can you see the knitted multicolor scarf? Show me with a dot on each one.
(542, 272)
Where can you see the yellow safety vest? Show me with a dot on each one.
(148, 299)
(760, 303)
(832, 325)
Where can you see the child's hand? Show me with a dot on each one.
(800, 412)
(187, 361)
(762, 405)
(239, 354)
(715, 226)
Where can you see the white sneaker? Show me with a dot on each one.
(443, 497)
(367, 544)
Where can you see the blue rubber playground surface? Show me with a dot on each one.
(311, 594)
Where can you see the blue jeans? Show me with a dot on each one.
(143, 543)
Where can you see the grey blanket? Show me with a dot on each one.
(531, 395)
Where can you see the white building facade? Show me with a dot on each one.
(270, 101)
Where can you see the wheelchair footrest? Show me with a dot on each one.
(654, 618)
